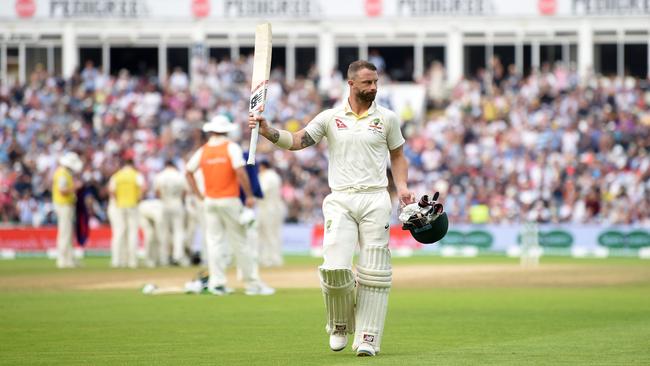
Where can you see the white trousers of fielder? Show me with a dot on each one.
(173, 225)
(270, 218)
(124, 239)
(64, 228)
(194, 220)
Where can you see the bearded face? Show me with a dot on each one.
(366, 96)
(364, 85)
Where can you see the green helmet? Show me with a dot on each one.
(431, 226)
(431, 231)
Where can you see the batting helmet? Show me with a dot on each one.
(428, 224)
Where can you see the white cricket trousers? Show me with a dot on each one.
(64, 225)
(223, 232)
(351, 219)
(195, 220)
(154, 252)
(173, 225)
(361, 218)
(124, 240)
(269, 220)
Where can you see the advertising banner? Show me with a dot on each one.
(576, 240)
(42, 239)
(311, 9)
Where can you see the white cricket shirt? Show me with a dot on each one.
(358, 146)
(171, 185)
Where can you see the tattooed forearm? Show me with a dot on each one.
(273, 135)
(306, 140)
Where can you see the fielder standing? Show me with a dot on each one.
(125, 187)
(223, 172)
(361, 137)
(170, 186)
(64, 199)
(270, 217)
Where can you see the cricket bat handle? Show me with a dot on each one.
(253, 146)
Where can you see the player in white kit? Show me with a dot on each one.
(171, 186)
(270, 216)
(362, 137)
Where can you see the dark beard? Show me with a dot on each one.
(366, 97)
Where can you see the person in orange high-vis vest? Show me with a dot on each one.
(125, 188)
(64, 198)
(222, 164)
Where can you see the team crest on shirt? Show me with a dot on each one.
(328, 225)
(340, 125)
(376, 126)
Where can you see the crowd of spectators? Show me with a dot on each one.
(547, 147)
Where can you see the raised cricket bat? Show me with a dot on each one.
(260, 82)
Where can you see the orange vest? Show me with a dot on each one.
(218, 174)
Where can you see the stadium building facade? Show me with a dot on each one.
(149, 36)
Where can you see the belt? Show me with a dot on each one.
(359, 189)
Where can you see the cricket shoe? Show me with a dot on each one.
(259, 288)
(338, 341)
(221, 290)
(365, 350)
(193, 287)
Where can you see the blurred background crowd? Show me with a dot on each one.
(500, 148)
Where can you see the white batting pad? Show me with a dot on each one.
(338, 292)
(374, 276)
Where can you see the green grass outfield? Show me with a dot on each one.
(488, 325)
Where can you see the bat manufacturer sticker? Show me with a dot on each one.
(370, 338)
(258, 97)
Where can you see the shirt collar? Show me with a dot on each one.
(216, 140)
(371, 110)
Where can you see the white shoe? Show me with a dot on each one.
(193, 287)
(259, 289)
(221, 290)
(184, 262)
(338, 341)
(365, 350)
(149, 289)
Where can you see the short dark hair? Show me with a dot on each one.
(265, 163)
(358, 65)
